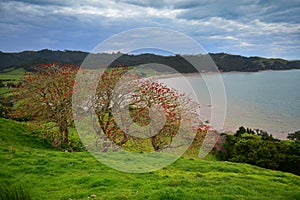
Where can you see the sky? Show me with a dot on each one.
(263, 28)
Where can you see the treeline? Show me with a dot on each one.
(227, 62)
(29, 59)
(224, 62)
(257, 147)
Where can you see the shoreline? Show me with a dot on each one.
(173, 75)
(232, 128)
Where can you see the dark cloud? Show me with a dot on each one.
(44, 2)
(265, 28)
(152, 4)
(190, 4)
(286, 13)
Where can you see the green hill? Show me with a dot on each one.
(225, 62)
(28, 159)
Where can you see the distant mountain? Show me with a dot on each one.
(225, 62)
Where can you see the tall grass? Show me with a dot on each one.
(13, 192)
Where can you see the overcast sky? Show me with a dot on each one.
(251, 28)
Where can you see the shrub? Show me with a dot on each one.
(261, 149)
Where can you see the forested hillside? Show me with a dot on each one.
(225, 62)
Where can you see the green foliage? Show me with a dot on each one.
(5, 104)
(261, 149)
(240, 131)
(246, 131)
(4, 111)
(228, 147)
(294, 136)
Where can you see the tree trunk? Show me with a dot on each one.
(57, 139)
(63, 132)
(154, 142)
(66, 135)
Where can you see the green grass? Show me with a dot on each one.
(10, 76)
(9, 192)
(14, 74)
(29, 160)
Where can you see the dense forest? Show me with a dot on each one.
(225, 62)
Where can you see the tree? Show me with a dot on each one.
(294, 136)
(240, 131)
(263, 150)
(46, 96)
(176, 110)
(152, 112)
(103, 103)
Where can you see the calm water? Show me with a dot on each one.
(268, 100)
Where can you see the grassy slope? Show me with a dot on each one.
(15, 74)
(52, 174)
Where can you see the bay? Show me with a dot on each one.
(267, 100)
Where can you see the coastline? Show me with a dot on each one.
(174, 75)
(232, 126)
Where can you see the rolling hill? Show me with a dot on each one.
(224, 62)
(47, 173)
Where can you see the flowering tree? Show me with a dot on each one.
(172, 112)
(157, 112)
(45, 96)
(125, 105)
(103, 104)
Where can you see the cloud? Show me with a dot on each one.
(151, 38)
(243, 27)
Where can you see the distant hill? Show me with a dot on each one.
(225, 62)
(28, 59)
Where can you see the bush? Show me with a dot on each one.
(294, 136)
(259, 148)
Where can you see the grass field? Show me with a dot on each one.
(29, 160)
(15, 74)
(10, 76)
